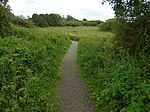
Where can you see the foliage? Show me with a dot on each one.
(46, 20)
(70, 18)
(70, 21)
(133, 36)
(40, 20)
(117, 81)
(21, 21)
(5, 18)
(109, 25)
(73, 23)
(55, 20)
(134, 30)
(29, 64)
(91, 23)
(84, 19)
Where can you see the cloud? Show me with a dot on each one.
(30, 2)
(90, 9)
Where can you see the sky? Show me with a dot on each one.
(79, 9)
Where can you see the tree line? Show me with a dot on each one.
(51, 20)
(46, 20)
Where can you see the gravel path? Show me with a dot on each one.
(72, 92)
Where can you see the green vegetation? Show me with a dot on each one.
(47, 20)
(76, 33)
(5, 18)
(22, 21)
(29, 65)
(133, 29)
(116, 81)
(109, 25)
(117, 69)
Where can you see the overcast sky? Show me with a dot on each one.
(79, 9)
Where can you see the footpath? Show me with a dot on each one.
(72, 91)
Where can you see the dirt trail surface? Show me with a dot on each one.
(72, 92)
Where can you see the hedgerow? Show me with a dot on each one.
(29, 65)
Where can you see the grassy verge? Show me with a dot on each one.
(29, 65)
(116, 81)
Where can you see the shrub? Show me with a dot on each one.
(133, 36)
(29, 64)
(133, 32)
(109, 25)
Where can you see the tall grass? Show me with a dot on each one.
(77, 33)
(29, 65)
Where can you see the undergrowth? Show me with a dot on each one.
(116, 80)
(29, 65)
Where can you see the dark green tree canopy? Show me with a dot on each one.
(134, 29)
(70, 18)
(45, 20)
(84, 19)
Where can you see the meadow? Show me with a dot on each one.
(76, 33)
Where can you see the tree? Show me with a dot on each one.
(84, 19)
(55, 20)
(22, 21)
(46, 20)
(134, 19)
(70, 18)
(40, 20)
(5, 18)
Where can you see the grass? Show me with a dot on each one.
(76, 33)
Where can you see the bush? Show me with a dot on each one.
(29, 65)
(133, 32)
(109, 25)
(134, 36)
